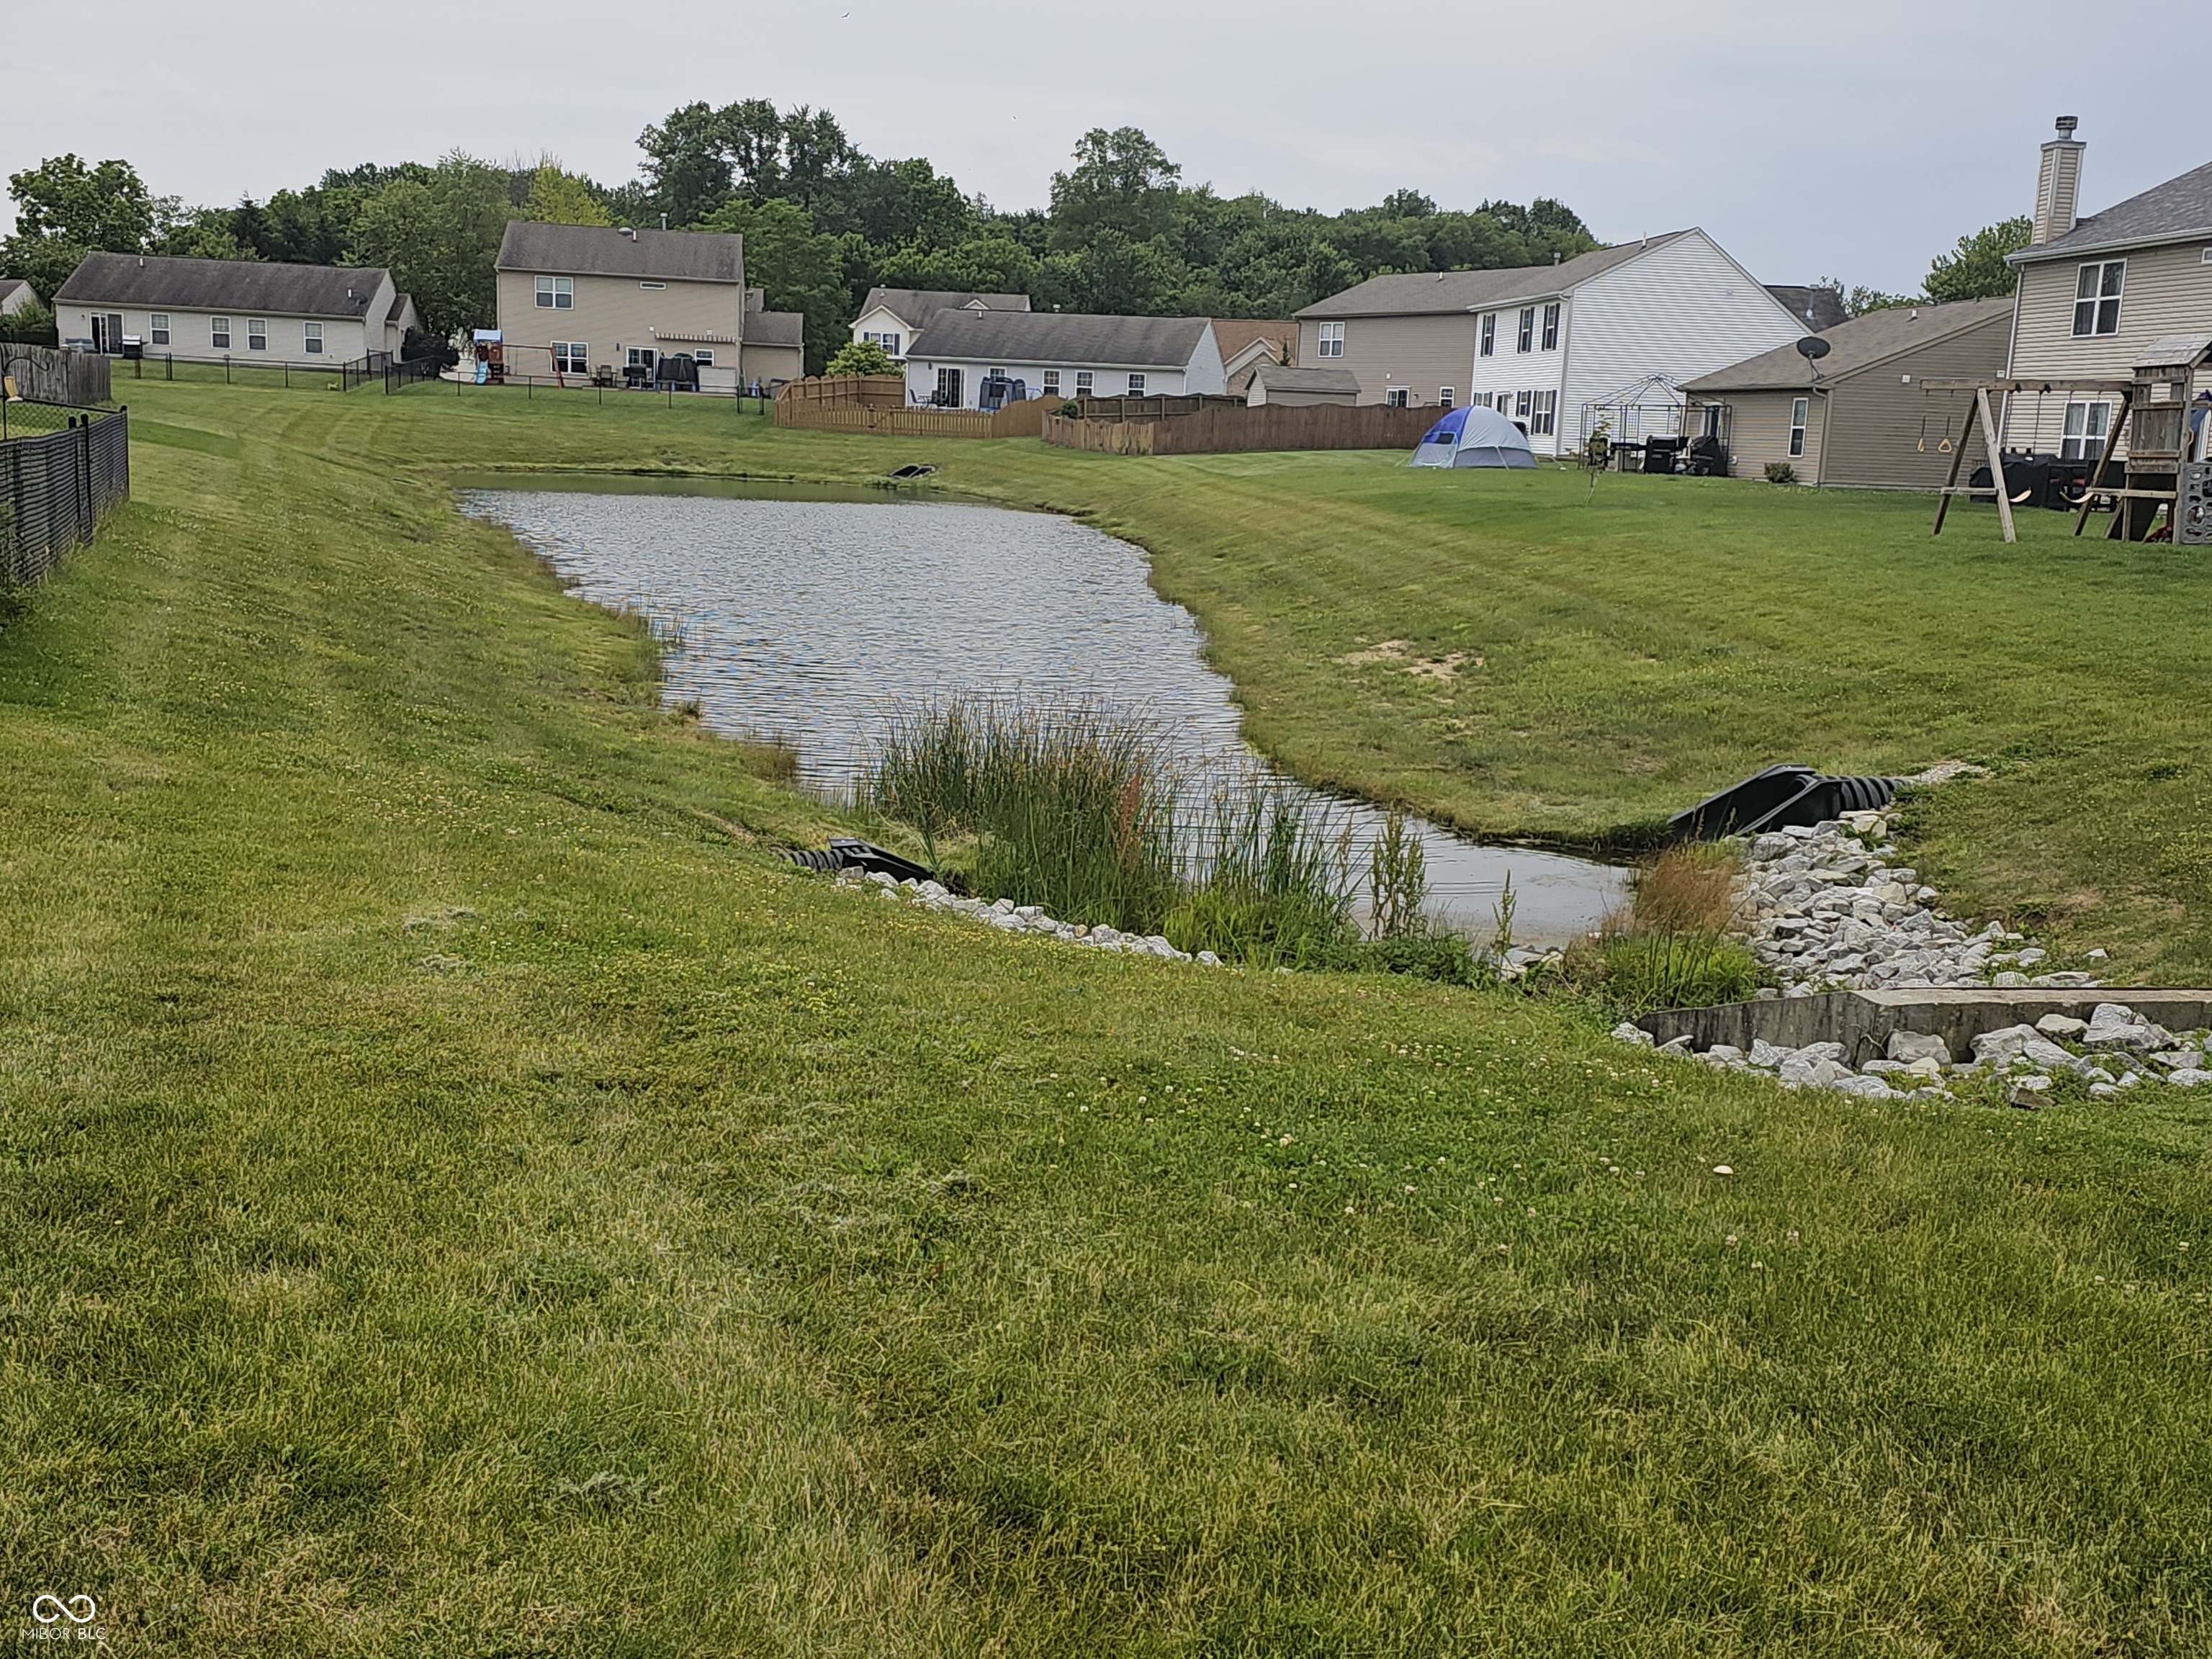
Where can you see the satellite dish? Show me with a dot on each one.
(1812, 348)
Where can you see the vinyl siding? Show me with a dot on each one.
(1876, 421)
(1421, 354)
(1760, 433)
(1197, 376)
(1509, 372)
(2168, 291)
(767, 363)
(344, 340)
(612, 315)
(1682, 310)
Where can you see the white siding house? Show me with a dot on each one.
(1549, 346)
(242, 310)
(1057, 354)
(891, 317)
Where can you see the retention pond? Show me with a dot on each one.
(814, 616)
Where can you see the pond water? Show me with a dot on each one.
(815, 620)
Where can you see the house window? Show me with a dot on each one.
(1136, 386)
(312, 336)
(1332, 340)
(889, 343)
(948, 388)
(1543, 414)
(1051, 381)
(257, 334)
(1489, 333)
(1447, 397)
(640, 357)
(1082, 382)
(1552, 326)
(219, 333)
(703, 358)
(1526, 340)
(650, 285)
(556, 293)
(160, 331)
(1396, 397)
(1798, 409)
(1522, 403)
(2097, 297)
(2088, 423)
(569, 356)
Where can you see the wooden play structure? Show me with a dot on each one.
(2163, 469)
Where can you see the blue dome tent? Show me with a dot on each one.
(1474, 436)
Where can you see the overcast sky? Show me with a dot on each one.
(1852, 141)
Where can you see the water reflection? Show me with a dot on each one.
(813, 621)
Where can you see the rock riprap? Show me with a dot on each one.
(1825, 910)
(1013, 918)
(2114, 1050)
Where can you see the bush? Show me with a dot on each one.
(1072, 410)
(1781, 472)
(862, 357)
(30, 324)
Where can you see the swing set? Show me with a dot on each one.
(1981, 413)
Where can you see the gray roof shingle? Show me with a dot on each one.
(776, 328)
(1070, 338)
(1862, 343)
(668, 256)
(1438, 293)
(1277, 378)
(1819, 308)
(249, 286)
(912, 306)
(2179, 210)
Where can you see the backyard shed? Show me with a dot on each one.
(1272, 383)
(1865, 419)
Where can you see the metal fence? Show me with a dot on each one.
(57, 484)
(255, 370)
(421, 380)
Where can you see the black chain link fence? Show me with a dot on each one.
(61, 470)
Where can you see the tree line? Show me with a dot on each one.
(824, 221)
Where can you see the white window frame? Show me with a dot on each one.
(1397, 397)
(1052, 382)
(571, 356)
(1800, 412)
(157, 328)
(704, 356)
(1524, 337)
(257, 334)
(656, 286)
(1137, 385)
(311, 338)
(1552, 326)
(951, 380)
(1543, 414)
(2086, 425)
(1332, 341)
(1524, 406)
(218, 333)
(556, 293)
(1490, 334)
(1085, 379)
(1447, 397)
(2098, 285)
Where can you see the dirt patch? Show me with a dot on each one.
(1399, 655)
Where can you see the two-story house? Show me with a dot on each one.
(2096, 291)
(577, 299)
(891, 317)
(237, 310)
(1548, 346)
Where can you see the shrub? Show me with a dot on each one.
(30, 324)
(862, 357)
(1781, 472)
(1072, 410)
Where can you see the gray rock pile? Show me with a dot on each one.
(1824, 911)
(1013, 918)
(2114, 1050)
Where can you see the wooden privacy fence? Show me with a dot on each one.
(43, 374)
(813, 412)
(1221, 430)
(841, 391)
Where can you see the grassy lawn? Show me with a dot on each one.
(459, 1193)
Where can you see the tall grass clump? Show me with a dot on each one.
(1084, 809)
(1672, 949)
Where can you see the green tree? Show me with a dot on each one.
(557, 196)
(439, 233)
(1976, 269)
(65, 209)
(1121, 181)
(687, 165)
(797, 267)
(862, 357)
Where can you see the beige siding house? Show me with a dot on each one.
(2097, 290)
(1866, 419)
(578, 299)
(236, 310)
(1273, 383)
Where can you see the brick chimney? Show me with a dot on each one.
(2058, 184)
